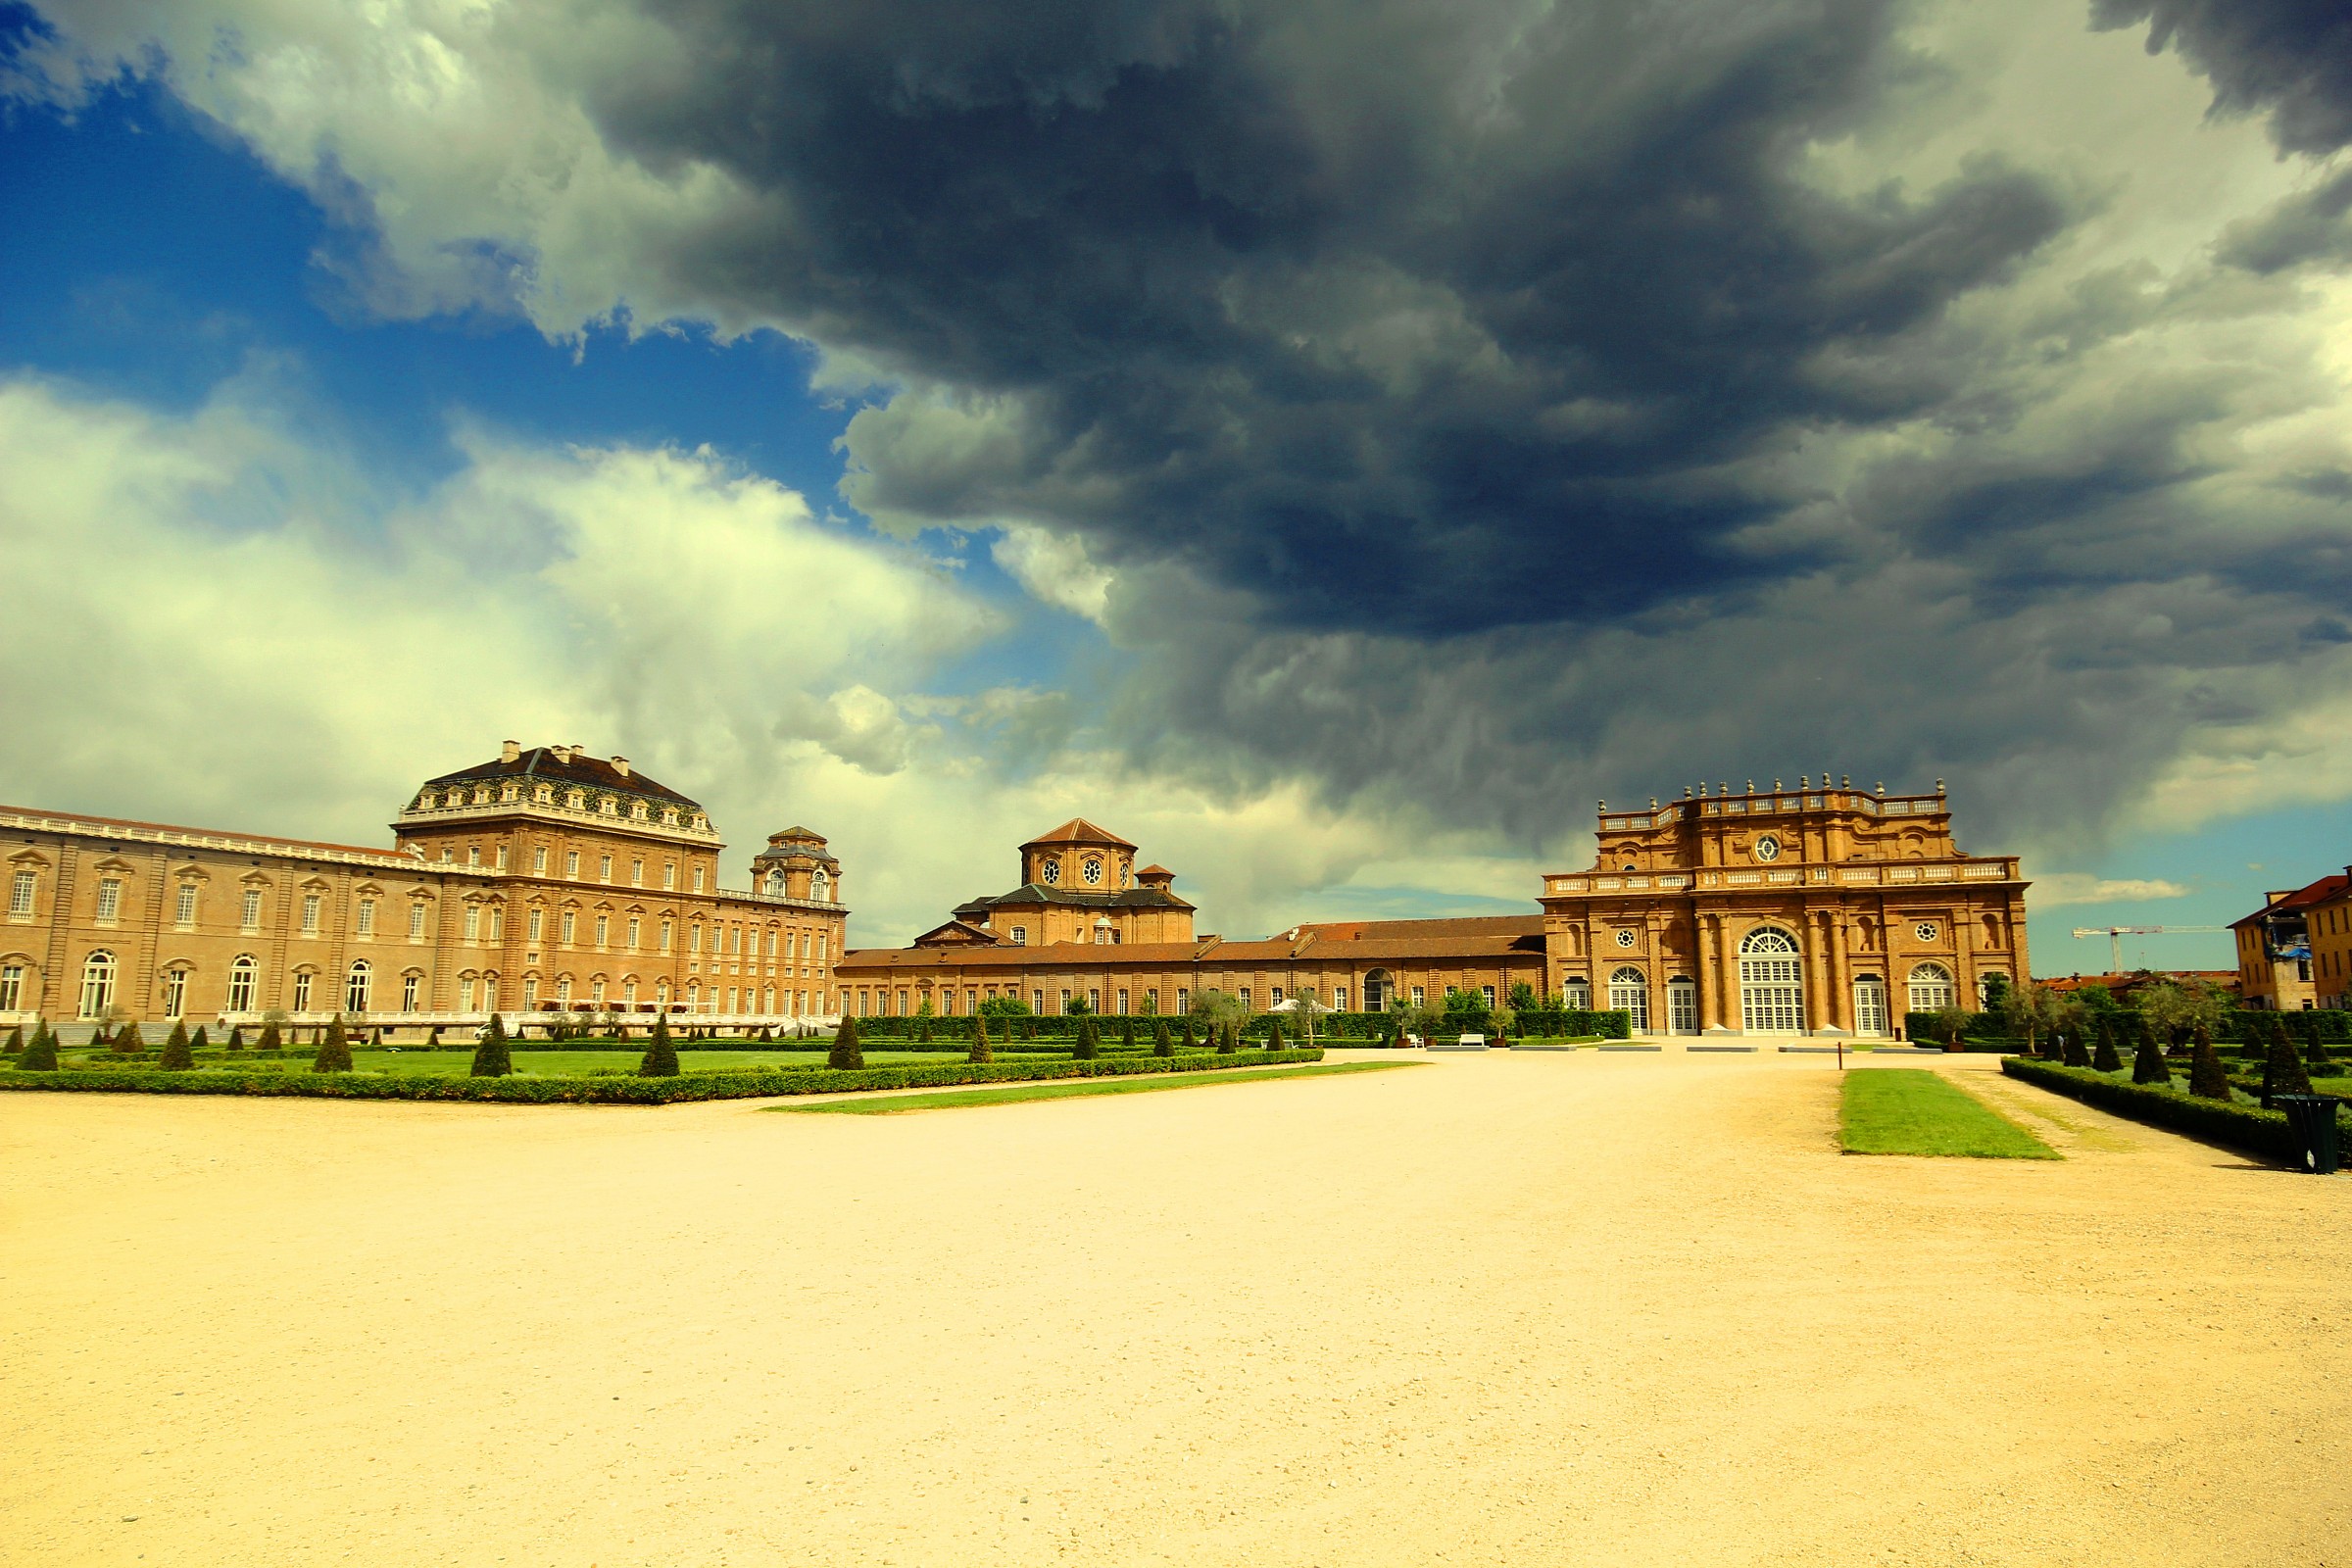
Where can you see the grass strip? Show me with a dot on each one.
(1910, 1110)
(896, 1104)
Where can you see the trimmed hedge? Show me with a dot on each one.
(2246, 1127)
(748, 1084)
(2241, 1026)
(899, 1028)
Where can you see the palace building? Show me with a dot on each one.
(544, 883)
(1819, 910)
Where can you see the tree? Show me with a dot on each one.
(491, 1059)
(2105, 1058)
(1190, 1043)
(2147, 1060)
(177, 1055)
(334, 1049)
(1997, 994)
(1228, 1038)
(845, 1056)
(40, 1052)
(1217, 1009)
(2075, 1056)
(1127, 1036)
(661, 1058)
(1523, 998)
(1076, 1005)
(2208, 1079)
(2282, 1069)
(1164, 1044)
(1003, 1007)
(1089, 1046)
(1950, 1024)
(2315, 1049)
(1274, 1041)
(980, 1052)
(923, 1023)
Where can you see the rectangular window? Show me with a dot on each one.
(1245, 994)
(771, 941)
(694, 939)
(734, 939)
(634, 927)
(564, 991)
(302, 992)
(1122, 1002)
(666, 936)
(415, 921)
(1488, 992)
(820, 947)
(1277, 996)
(175, 991)
(1339, 998)
(465, 996)
(539, 860)
(12, 986)
(448, 853)
(19, 891)
(408, 992)
(971, 1003)
(498, 923)
(110, 898)
(1184, 999)
(251, 915)
(604, 868)
(1020, 936)
(530, 993)
(1094, 1002)
(568, 920)
(473, 855)
(1420, 998)
(603, 924)
(366, 924)
(1037, 1001)
(636, 873)
(473, 922)
(1066, 1003)
(571, 864)
(309, 913)
(596, 991)
(186, 912)
(1151, 1001)
(698, 879)
(669, 874)
(531, 925)
(502, 857)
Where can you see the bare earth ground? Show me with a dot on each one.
(1527, 1309)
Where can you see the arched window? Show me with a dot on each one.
(355, 988)
(1931, 988)
(775, 884)
(244, 978)
(1629, 993)
(1771, 991)
(819, 885)
(97, 984)
(1576, 994)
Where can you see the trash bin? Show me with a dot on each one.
(2313, 1119)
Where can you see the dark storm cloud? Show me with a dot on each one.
(1401, 315)
(2313, 227)
(2292, 59)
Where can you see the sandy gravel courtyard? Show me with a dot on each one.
(1516, 1308)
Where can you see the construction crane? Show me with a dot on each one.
(2115, 935)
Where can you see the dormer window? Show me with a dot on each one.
(775, 884)
(545, 795)
(576, 800)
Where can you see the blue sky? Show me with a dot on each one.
(1326, 495)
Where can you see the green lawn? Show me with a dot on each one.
(1910, 1110)
(894, 1104)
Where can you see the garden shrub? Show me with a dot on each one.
(2105, 1058)
(2260, 1132)
(2148, 1065)
(1229, 1040)
(2283, 1071)
(845, 1056)
(2315, 1050)
(237, 1038)
(334, 1049)
(492, 1059)
(2071, 1051)
(40, 1052)
(2208, 1079)
(1162, 1043)
(1090, 1044)
(661, 1058)
(981, 1054)
(16, 1041)
(1186, 1027)
(1127, 1036)
(198, 1044)
(177, 1055)
(1274, 1040)
(127, 1041)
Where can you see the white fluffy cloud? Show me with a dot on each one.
(2065, 888)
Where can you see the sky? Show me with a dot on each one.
(1333, 445)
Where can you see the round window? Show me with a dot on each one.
(1624, 939)
(1094, 871)
(1768, 848)
(1052, 873)
(1925, 930)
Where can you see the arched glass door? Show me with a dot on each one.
(1869, 1005)
(1772, 990)
(1629, 993)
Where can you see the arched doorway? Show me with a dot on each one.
(1772, 988)
(1629, 993)
(1931, 988)
(1379, 987)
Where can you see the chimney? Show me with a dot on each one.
(509, 751)
(561, 754)
(620, 766)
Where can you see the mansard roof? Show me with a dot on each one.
(1078, 830)
(1037, 894)
(567, 767)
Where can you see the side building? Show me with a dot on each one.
(2280, 968)
(1825, 909)
(542, 884)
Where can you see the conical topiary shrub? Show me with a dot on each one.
(1089, 1044)
(1127, 1036)
(2283, 1071)
(1228, 1038)
(127, 1041)
(1273, 1033)
(2104, 1058)
(270, 1039)
(236, 1039)
(2148, 1065)
(1190, 1043)
(197, 1041)
(40, 1052)
(16, 1041)
(2073, 1053)
(334, 1049)
(492, 1057)
(2315, 1049)
(1164, 1044)
(178, 1057)
(2208, 1079)
(980, 1050)
(844, 1056)
(661, 1058)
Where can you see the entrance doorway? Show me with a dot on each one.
(1772, 990)
(1870, 1007)
(1681, 1005)
(1378, 989)
(1629, 993)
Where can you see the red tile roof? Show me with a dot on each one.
(2319, 892)
(1078, 830)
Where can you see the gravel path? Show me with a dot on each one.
(1516, 1310)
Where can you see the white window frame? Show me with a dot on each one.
(183, 914)
(25, 887)
(244, 982)
(359, 986)
(97, 984)
(176, 992)
(301, 991)
(363, 922)
(110, 899)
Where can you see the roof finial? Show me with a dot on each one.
(1751, 786)
(1654, 802)
(1939, 786)
(1603, 805)
(1804, 781)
